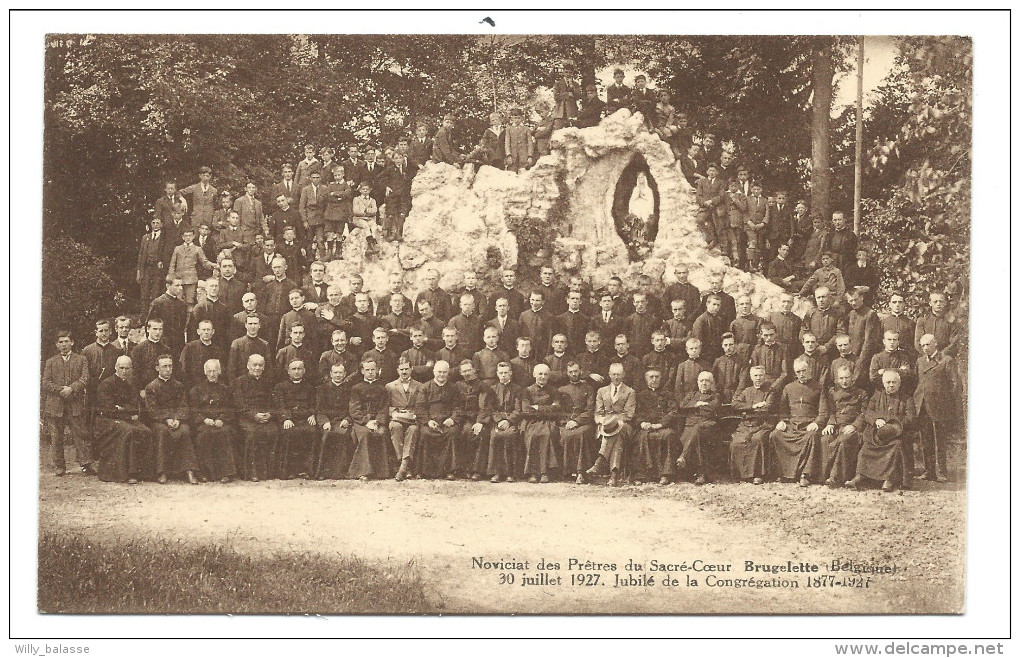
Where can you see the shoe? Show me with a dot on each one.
(400, 476)
(132, 481)
(303, 476)
(942, 478)
(533, 479)
(162, 478)
(664, 480)
(856, 483)
(804, 481)
(757, 481)
(226, 479)
(544, 479)
(700, 480)
(202, 478)
(193, 480)
(832, 484)
(363, 478)
(580, 479)
(888, 486)
(511, 479)
(59, 472)
(596, 468)
(451, 477)
(681, 462)
(639, 480)
(475, 477)
(254, 478)
(495, 479)
(614, 480)
(90, 469)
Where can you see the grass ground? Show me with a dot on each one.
(79, 575)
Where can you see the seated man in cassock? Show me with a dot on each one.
(212, 420)
(123, 443)
(804, 408)
(506, 447)
(403, 396)
(332, 415)
(166, 405)
(701, 409)
(436, 413)
(370, 405)
(541, 435)
(615, 406)
(256, 418)
(472, 453)
(295, 410)
(747, 448)
(841, 437)
(577, 428)
(889, 418)
(655, 417)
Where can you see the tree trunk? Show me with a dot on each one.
(822, 71)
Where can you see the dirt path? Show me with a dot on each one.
(441, 526)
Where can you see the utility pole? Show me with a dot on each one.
(858, 146)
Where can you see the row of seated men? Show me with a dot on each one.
(480, 392)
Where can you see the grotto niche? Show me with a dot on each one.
(635, 208)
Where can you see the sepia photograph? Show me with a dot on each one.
(480, 322)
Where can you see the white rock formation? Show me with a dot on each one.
(459, 216)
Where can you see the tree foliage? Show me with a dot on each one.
(922, 128)
(76, 290)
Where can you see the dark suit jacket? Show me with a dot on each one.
(211, 247)
(444, 149)
(591, 112)
(643, 101)
(151, 254)
(418, 152)
(616, 97)
(781, 226)
(509, 334)
(57, 375)
(313, 295)
(376, 179)
(259, 269)
(691, 169)
(714, 191)
(938, 387)
(165, 210)
(398, 179)
(354, 171)
(294, 194)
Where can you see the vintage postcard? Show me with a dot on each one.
(502, 323)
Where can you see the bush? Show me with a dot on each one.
(920, 249)
(76, 290)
